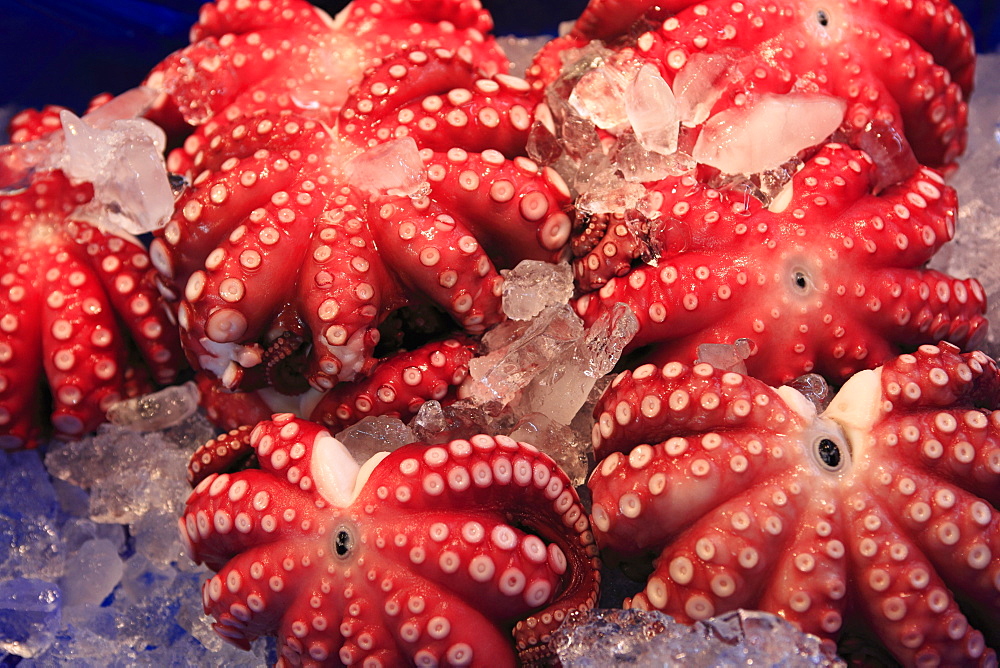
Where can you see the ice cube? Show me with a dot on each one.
(768, 132)
(609, 637)
(391, 168)
(92, 573)
(599, 95)
(727, 356)
(435, 423)
(123, 159)
(500, 374)
(556, 440)
(375, 434)
(158, 410)
(700, 83)
(652, 111)
(533, 285)
(30, 615)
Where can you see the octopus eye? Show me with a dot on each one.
(800, 279)
(822, 17)
(829, 453)
(343, 541)
(177, 183)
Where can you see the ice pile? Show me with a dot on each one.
(112, 148)
(96, 573)
(603, 637)
(612, 123)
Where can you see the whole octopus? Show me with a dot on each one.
(354, 189)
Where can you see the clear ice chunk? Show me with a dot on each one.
(374, 434)
(92, 573)
(30, 615)
(502, 373)
(123, 159)
(158, 410)
(391, 168)
(652, 111)
(814, 388)
(599, 96)
(767, 133)
(534, 285)
(607, 637)
(727, 356)
(700, 83)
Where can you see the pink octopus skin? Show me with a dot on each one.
(267, 209)
(904, 69)
(246, 56)
(78, 310)
(828, 281)
(876, 518)
(442, 554)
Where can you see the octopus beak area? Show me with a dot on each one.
(334, 470)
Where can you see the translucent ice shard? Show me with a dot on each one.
(762, 136)
(533, 285)
(392, 168)
(374, 434)
(652, 111)
(157, 410)
(29, 616)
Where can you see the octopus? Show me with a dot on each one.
(282, 252)
(827, 279)
(82, 324)
(247, 56)
(896, 75)
(875, 518)
(464, 553)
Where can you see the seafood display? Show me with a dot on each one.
(349, 234)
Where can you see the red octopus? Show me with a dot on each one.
(278, 254)
(902, 72)
(828, 279)
(430, 555)
(876, 517)
(79, 310)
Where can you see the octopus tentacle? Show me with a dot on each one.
(698, 398)
(20, 355)
(441, 101)
(398, 385)
(126, 278)
(413, 234)
(515, 208)
(222, 454)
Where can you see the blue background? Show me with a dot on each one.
(62, 52)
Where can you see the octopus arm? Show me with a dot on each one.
(441, 100)
(727, 558)
(436, 253)
(642, 499)
(225, 516)
(85, 362)
(515, 208)
(652, 404)
(410, 617)
(399, 385)
(252, 591)
(220, 18)
(20, 357)
(125, 277)
(345, 290)
(902, 594)
(673, 299)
